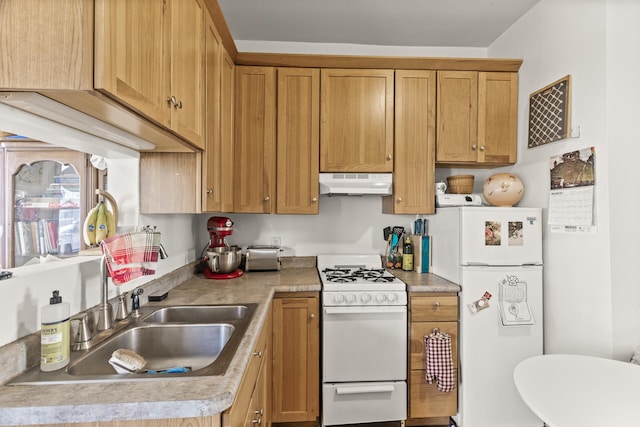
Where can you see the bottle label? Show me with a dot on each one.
(54, 340)
(407, 262)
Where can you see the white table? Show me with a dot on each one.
(580, 391)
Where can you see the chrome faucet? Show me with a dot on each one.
(105, 311)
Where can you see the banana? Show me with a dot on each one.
(111, 223)
(89, 227)
(101, 223)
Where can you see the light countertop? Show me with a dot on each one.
(156, 398)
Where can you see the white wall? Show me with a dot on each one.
(591, 306)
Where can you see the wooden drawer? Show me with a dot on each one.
(416, 341)
(427, 401)
(434, 308)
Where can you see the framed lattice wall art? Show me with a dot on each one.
(549, 110)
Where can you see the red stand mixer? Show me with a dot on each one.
(222, 261)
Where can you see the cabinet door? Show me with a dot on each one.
(211, 156)
(227, 92)
(414, 146)
(170, 183)
(497, 117)
(298, 140)
(46, 44)
(457, 116)
(132, 62)
(296, 359)
(254, 144)
(356, 116)
(187, 70)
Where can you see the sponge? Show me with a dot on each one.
(126, 361)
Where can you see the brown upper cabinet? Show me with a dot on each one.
(151, 56)
(476, 118)
(415, 141)
(298, 139)
(356, 120)
(211, 161)
(255, 140)
(55, 48)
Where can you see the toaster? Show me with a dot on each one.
(262, 258)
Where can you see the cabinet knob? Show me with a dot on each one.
(314, 199)
(258, 353)
(312, 316)
(210, 191)
(267, 198)
(482, 148)
(389, 157)
(258, 421)
(474, 146)
(259, 412)
(172, 100)
(399, 200)
(436, 304)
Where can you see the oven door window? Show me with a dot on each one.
(364, 343)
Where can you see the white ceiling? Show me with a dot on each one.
(438, 23)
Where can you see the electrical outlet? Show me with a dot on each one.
(275, 241)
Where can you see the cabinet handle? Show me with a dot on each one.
(258, 353)
(267, 198)
(314, 199)
(482, 148)
(389, 157)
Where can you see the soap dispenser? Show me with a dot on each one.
(54, 334)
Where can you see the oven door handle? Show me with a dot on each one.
(366, 309)
(365, 389)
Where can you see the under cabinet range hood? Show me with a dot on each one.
(356, 184)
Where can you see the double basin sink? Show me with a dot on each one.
(203, 338)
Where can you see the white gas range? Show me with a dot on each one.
(364, 341)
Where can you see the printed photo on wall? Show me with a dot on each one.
(515, 233)
(492, 233)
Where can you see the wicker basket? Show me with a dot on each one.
(460, 184)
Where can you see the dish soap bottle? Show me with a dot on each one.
(55, 333)
(407, 255)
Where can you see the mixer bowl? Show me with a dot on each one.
(224, 260)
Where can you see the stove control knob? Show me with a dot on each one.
(365, 298)
(351, 298)
(338, 298)
(381, 297)
(392, 297)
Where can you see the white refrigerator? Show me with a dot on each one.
(495, 255)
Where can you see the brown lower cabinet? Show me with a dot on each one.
(428, 312)
(296, 359)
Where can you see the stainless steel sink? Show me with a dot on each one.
(197, 313)
(202, 337)
(162, 346)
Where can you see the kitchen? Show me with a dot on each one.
(590, 303)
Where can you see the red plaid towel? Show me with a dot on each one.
(131, 255)
(438, 361)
